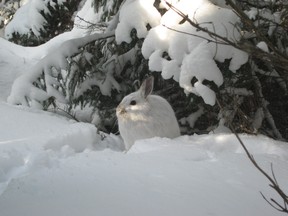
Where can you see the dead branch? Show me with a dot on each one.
(273, 182)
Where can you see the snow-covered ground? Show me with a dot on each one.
(53, 166)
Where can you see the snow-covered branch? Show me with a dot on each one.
(24, 90)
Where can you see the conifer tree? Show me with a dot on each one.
(94, 79)
(56, 18)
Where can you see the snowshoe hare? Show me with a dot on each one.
(142, 115)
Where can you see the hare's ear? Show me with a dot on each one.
(147, 87)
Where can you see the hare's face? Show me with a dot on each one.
(133, 107)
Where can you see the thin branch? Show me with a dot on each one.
(195, 35)
(101, 26)
(272, 205)
(273, 174)
(274, 183)
(243, 16)
(72, 116)
(282, 209)
(197, 26)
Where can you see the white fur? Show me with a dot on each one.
(152, 116)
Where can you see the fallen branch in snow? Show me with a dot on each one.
(273, 182)
(66, 112)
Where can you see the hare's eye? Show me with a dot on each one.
(133, 102)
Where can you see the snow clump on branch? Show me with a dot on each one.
(191, 53)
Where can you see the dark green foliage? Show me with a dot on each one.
(58, 20)
(108, 12)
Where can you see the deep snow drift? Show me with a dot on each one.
(53, 166)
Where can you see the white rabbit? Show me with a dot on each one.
(142, 115)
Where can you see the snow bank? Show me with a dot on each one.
(53, 166)
(25, 135)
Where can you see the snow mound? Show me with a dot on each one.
(206, 146)
(50, 165)
(31, 139)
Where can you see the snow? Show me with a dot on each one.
(23, 65)
(193, 117)
(86, 17)
(58, 166)
(28, 18)
(136, 14)
(263, 46)
(192, 52)
(265, 14)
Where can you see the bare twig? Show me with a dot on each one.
(100, 26)
(67, 113)
(272, 203)
(195, 35)
(212, 34)
(272, 180)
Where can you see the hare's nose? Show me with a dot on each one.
(120, 110)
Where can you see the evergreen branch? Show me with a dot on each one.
(276, 58)
(82, 42)
(245, 19)
(198, 26)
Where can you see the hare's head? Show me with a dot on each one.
(135, 105)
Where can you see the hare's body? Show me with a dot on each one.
(141, 115)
